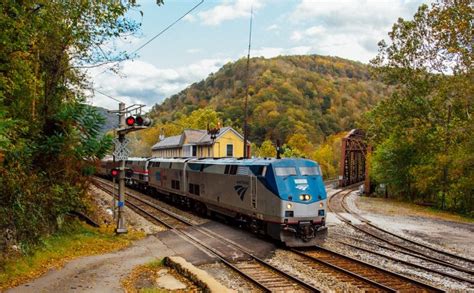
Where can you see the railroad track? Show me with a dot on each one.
(261, 273)
(269, 278)
(364, 276)
(439, 261)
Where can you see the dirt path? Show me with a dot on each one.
(100, 273)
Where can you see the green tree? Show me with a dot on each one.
(266, 150)
(423, 132)
(49, 139)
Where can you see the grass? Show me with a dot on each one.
(73, 240)
(396, 207)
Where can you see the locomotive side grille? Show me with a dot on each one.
(243, 170)
(175, 184)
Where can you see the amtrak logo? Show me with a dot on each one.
(302, 187)
(241, 190)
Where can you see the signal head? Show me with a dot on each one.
(130, 121)
(139, 120)
(147, 122)
(115, 172)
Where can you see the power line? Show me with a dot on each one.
(168, 27)
(108, 96)
(156, 36)
(149, 41)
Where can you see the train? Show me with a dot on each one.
(284, 199)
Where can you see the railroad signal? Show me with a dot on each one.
(138, 121)
(128, 173)
(115, 172)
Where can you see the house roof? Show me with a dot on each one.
(168, 142)
(191, 136)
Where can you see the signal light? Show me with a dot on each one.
(138, 121)
(115, 172)
(128, 173)
(130, 121)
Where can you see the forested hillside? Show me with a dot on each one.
(313, 96)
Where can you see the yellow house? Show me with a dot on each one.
(198, 143)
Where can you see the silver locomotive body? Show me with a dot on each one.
(284, 199)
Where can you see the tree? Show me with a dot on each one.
(49, 139)
(423, 132)
(266, 150)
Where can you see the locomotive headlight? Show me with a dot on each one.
(289, 206)
(321, 204)
(307, 197)
(302, 197)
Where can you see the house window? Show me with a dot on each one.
(194, 150)
(230, 150)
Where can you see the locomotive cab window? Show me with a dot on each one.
(154, 164)
(193, 167)
(231, 169)
(309, 171)
(165, 165)
(214, 169)
(285, 171)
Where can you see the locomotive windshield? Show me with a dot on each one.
(309, 171)
(285, 171)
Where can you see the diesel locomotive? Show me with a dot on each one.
(282, 198)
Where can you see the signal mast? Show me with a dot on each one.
(130, 119)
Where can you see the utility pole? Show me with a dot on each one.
(121, 228)
(246, 155)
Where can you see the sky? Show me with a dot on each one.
(217, 32)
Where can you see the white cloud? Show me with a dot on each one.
(372, 13)
(190, 18)
(229, 10)
(349, 29)
(310, 32)
(144, 83)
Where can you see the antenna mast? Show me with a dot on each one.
(246, 155)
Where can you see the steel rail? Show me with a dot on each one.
(259, 260)
(411, 264)
(371, 266)
(337, 268)
(406, 252)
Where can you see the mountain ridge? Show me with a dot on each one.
(308, 94)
